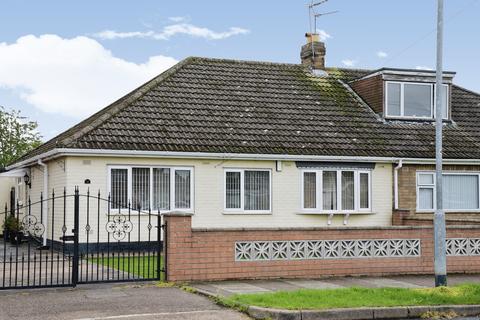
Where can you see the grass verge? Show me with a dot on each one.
(360, 297)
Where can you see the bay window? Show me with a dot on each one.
(247, 190)
(336, 190)
(329, 190)
(151, 188)
(413, 100)
(460, 191)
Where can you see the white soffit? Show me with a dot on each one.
(17, 173)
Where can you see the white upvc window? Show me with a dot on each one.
(413, 100)
(331, 191)
(155, 188)
(460, 191)
(247, 190)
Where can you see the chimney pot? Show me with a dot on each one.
(312, 37)
(313, 52)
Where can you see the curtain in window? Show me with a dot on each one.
(460, 191)
(329, 190)
(445, 101)
(182, 189)
(364, 191)
(140, 188)
(161, 189)
(417, 100)
(393, 103)
(119, 188)
(309, 190)
(257, 190)
(425, 198)
(348, 190)
(232, 190)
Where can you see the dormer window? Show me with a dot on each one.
(404, 94)
(413, 100)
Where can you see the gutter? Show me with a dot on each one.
(44, 200)
(395, 181)
(61, 152)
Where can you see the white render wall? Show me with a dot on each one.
(208, 192)
(6, 185)
(56, 182)
(208, 195)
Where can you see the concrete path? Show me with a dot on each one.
(227, 288)
(143, 301)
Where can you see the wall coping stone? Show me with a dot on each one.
(327, 228)
(453, 219)
(177, 214)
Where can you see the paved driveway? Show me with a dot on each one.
(106, 301)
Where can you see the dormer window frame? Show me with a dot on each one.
(402, 84)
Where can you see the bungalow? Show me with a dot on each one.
(259, 145)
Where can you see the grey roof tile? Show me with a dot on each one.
(214, 105)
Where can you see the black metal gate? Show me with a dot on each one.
(70, 239)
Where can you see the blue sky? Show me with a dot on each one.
(63, 60)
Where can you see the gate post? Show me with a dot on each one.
(159, 246)
(177, 244)
(76, 214)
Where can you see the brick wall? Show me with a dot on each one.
(371, 91)
(204, 254)
(407, 197)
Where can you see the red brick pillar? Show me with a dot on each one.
(177, 245)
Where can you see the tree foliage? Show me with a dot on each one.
(18, 135)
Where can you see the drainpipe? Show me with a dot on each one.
(395, 181)
(45, 200)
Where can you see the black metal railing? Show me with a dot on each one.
(104, 245)
(127, 246)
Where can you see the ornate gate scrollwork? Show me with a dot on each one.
(31, 226)
(119, 227)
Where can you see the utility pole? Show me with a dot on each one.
(439, 228)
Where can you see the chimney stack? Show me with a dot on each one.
(313, 52)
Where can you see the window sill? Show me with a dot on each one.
(247, 213)
(415, 119)
(459, 211)
(335, 213)
(145, 213)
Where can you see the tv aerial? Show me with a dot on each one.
(314, 15)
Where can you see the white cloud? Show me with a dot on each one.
(177, 19)
(111, 34)
(349, 62)
(423, 68)
(323, 35)
(382, 54)
(74, 77)
(171, 30)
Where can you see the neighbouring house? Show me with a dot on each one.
(272, 167)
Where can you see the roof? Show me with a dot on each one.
(404, 70)
(231, 106)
